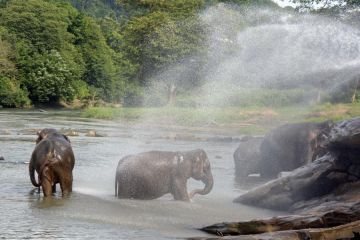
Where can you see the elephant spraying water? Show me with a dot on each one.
(53, 160)
(150, 175)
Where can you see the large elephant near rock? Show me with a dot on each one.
(291, 146)
(283, 149)
(150, 175)
(53, 160)
(247, 156)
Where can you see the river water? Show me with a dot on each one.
(92, 211)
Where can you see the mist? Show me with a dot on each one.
(253, 49)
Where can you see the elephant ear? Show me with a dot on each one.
(40, 136)
(198, 165)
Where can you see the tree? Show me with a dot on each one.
(11, 94)
(96, 53)
(39, 30)
(49, 78)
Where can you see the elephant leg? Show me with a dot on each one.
(180, 191)
(46, 181)
(46, 187)
(66, 183)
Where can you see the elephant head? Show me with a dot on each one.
(46, 132)
(319, 140)
(201, 170)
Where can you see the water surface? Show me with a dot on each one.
(92, 211)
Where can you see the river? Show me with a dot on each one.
(92, 211)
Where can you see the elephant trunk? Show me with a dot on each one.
(209, 183)
(32, 174)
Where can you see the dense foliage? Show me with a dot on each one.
(71, 51)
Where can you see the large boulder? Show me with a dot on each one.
(322, 194)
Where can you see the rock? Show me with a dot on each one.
(184, 137)
(29, 131)
(93, 133)
(345, 135)
(5, 132)
(2, 158)
(345, 231)
(221, 139)
(324, 194)
(72, 133)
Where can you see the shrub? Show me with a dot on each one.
(11, 95)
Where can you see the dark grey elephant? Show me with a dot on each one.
(53, 160)
(150, 175)
(291, 146)
(247, 157)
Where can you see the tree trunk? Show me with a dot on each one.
(171, 95)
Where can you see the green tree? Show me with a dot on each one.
(124, 69)
(96, 53)
(49, 78)
(11, 94)
(39, 29)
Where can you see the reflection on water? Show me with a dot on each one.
(92, 211)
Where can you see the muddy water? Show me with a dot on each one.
(92, 211)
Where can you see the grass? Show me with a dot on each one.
(244, 120)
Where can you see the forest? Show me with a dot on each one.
(88, 52)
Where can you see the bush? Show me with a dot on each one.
(11, 95)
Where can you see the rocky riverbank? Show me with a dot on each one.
(323, 196)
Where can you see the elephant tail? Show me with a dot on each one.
(32, 174)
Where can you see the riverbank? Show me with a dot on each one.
(243, 120)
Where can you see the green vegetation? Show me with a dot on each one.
(84, 53)
(244, 120)
(54, 51)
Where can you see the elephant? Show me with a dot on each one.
(53, 159)
(150, 175)
(291, 146)
(247, 156)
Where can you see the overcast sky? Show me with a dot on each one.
(284, 3)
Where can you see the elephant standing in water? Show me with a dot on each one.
(150, 175)
(53, 160)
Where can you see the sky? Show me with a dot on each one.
(285, 3)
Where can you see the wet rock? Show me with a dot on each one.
(5, 132)
(345, 135)
(346, 231)
(184, 137)
(29, 131)
(354, 170)
(322, 194)
(72, 133)
(93, 133)
(222, 139)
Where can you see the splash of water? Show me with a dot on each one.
(254, 49)
(265, 48)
